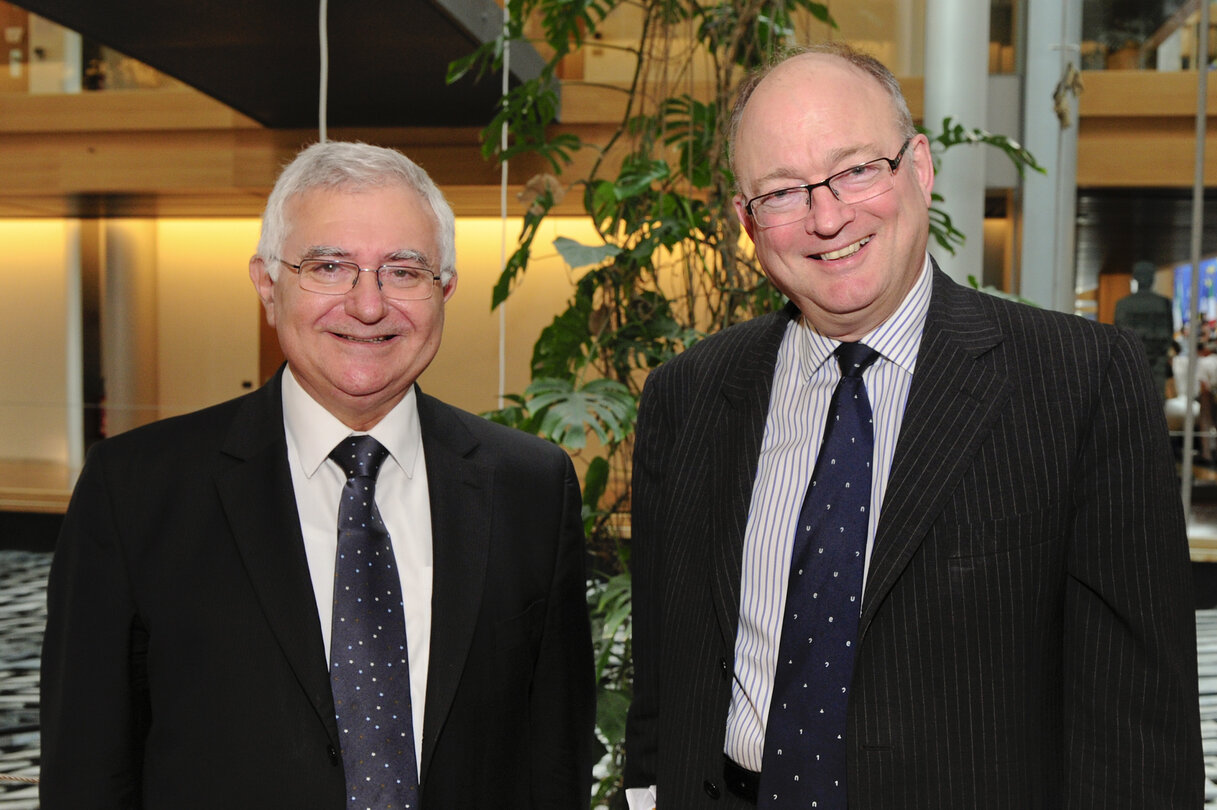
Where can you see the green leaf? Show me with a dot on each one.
(943, 229)
(459, 67)
(577, 255)
(611, 707)
(606, 407)
(563, 346)
(595, 482)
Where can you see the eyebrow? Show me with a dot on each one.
(834, 158)
(332, 251)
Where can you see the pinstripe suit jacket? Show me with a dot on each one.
(1027, 637)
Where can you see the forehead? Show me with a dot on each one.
(391, 216)
(813, 105)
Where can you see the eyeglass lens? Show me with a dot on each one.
(337, 278)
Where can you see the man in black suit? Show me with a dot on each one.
(1025, 629)
(195, 592)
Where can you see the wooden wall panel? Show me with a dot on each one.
(168, 153)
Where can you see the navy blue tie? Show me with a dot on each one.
(805, 754)
(369, 661)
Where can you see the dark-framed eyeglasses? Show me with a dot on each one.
(335, 277)
(850, 186)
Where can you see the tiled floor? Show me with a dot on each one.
(23, 614)
(22, 617)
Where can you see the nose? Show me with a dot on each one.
(828, 214)
(364, 301)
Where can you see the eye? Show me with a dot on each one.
(403, 276)
(784, 198)
(859, 175)
(323, 268)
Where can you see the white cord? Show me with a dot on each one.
(323, 91)
(503, 216)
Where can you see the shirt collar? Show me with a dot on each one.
(314, 431)
(897, 339)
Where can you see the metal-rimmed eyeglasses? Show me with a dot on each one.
(335, 277)
(850, 186)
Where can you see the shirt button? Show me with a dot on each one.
(711, 789)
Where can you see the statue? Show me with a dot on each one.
(1148, 314)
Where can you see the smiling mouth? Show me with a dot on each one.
(848, 250)
(353, 339)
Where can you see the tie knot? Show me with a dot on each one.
(854, 358)
(359, 456)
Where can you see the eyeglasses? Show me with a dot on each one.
(851, 186)
(332, 277)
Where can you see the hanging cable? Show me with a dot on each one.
(503, 210)
(323, 91)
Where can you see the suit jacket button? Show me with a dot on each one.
(334, 758)
(711, 789)
(726, 670)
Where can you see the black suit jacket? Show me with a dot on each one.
(183, 665)
(1027, 637)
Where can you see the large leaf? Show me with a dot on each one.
(577, 255)
(563, 346)
(606, 407)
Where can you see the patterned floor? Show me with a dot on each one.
(23, 614)
(22, 617)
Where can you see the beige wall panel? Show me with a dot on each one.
(466, 370)
(33, 337)
(207, 312)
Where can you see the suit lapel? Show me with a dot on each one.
(258, 499)
(953, 402)
(460, 492)
(746, 388)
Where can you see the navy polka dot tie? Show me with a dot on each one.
(805, 756)
(369, 663)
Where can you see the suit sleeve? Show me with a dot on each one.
(642, 726)
(563, 695)
(1131, 721)
(91, 715)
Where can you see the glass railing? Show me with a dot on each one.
(44, 58)
(1146, 36)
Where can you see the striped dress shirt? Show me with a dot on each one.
(803, 384)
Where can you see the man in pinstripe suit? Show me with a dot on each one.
(1026, 637)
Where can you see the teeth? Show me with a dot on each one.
(848, 250)
(366, 340)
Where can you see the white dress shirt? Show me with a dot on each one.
(401, 496)
(804, 379)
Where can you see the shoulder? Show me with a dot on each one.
(177, 436)
(963, 311)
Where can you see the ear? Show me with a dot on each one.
(923, 165)
(264, 285)
(450, 287)
(741, 213)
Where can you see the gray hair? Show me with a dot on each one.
(862, 61)
(339, 165)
